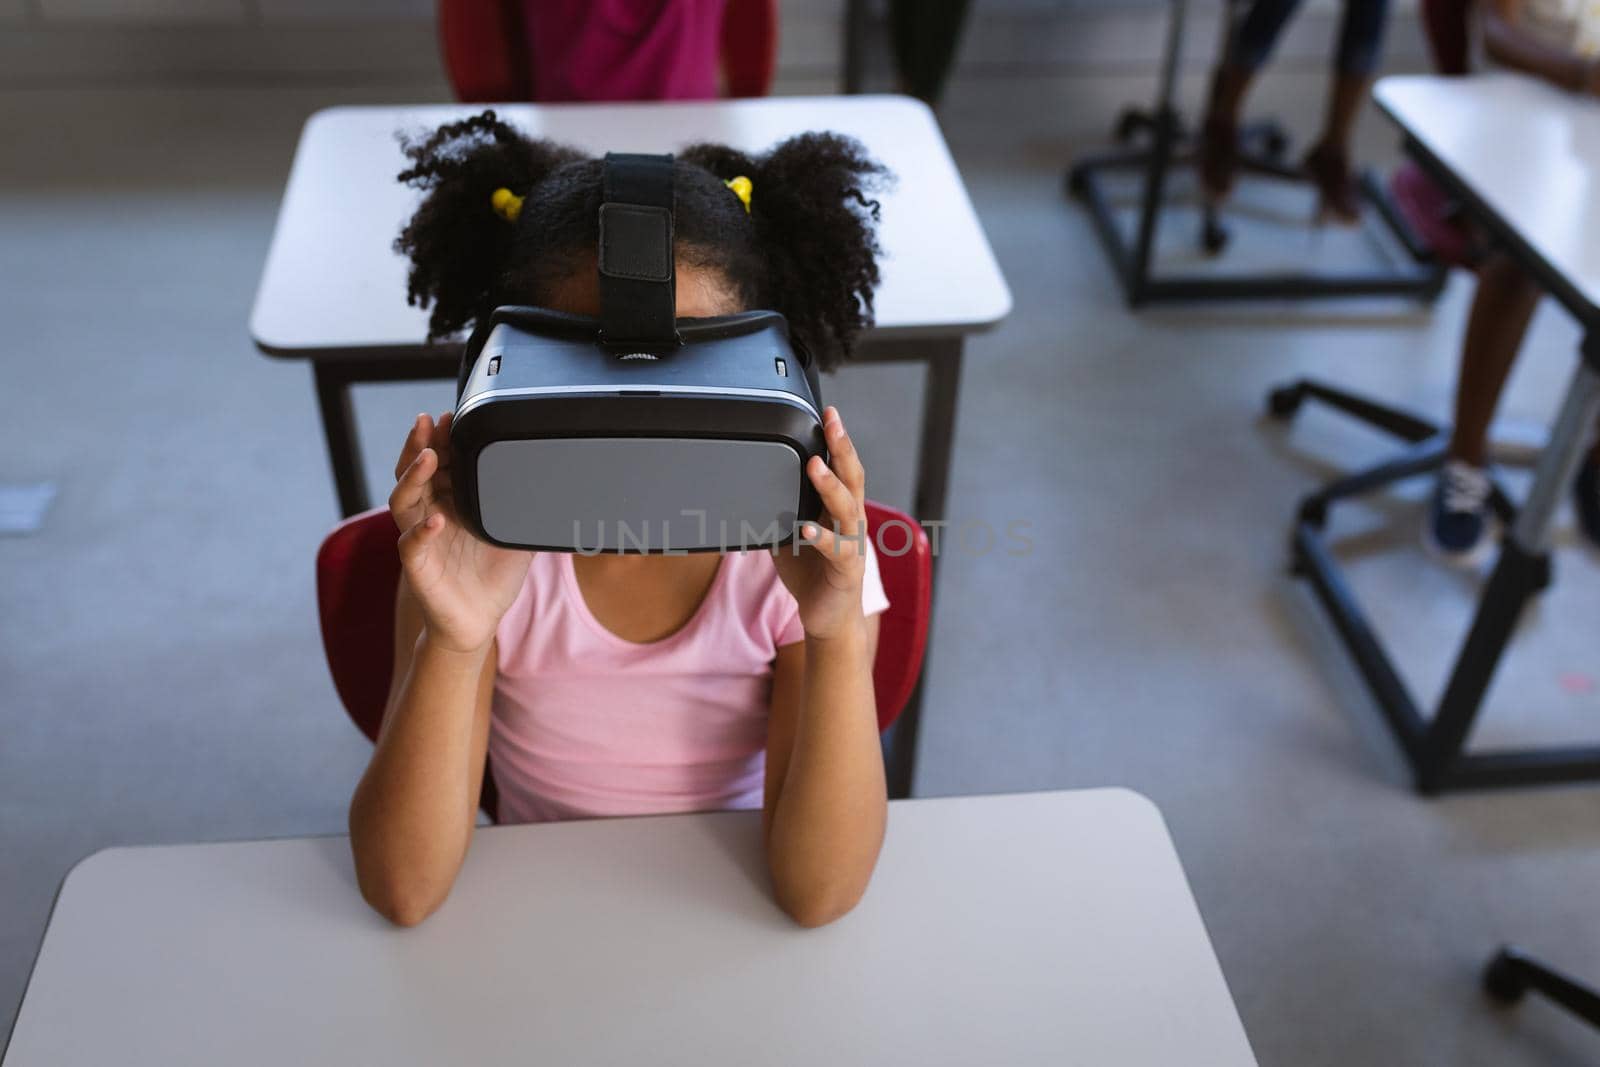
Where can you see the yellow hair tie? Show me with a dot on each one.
(742, 189)
(506, 204)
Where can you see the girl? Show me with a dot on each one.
(626, 685)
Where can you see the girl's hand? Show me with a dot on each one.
(824, 574)
(463, 584)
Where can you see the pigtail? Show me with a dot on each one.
(816, 222)
(460, 239)
(726, 163)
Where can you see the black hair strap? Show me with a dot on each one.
(638, 294)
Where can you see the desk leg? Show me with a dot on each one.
(1521, 571)
(938, 430)
(339, 427)
(933, 478)
(1435, 746)
(1163, 136)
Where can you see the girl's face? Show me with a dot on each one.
(702, 293)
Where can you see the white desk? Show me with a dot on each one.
(1524, 158)
(1527, 154)
(1028, 929)
(332, 282)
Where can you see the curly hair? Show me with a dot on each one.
(807, 248)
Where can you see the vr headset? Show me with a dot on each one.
(639, 431)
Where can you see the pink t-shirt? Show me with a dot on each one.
(585, 723)
(623, 49)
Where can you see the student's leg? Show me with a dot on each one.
(1458, 522)
(1501, 310)
(1360, 48)
(1249, 46)
(1586, 494)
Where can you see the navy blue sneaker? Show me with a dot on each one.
(1586, 499)
(1458, 527)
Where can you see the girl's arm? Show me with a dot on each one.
(825, 793)
(1506, 41)
(826, 801)
(412, 815)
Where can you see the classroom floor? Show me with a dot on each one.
(161, 677)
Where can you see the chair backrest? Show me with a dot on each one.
(358, 570)
(484, 45)
(905, 563)
(749, 46)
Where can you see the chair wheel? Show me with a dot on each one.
(1130, 122)
(1501, 980)
(1213, 237)
(1077, 182)
(1284, 402)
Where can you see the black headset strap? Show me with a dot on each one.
(638, 294)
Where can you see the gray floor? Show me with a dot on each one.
(161, 677)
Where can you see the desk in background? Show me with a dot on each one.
(1524, 158)
(1034, 928)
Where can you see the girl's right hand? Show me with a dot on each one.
(463, 584)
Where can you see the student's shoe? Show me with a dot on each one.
(1586, 499)
(1458, 527)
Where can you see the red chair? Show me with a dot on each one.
(485, 52)
(358, 570)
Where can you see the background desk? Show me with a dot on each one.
(1527, 157)
(333, 289)
(1028, 929)
(1524, 158)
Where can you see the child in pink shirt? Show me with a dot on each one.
(618, 685)
(585, 722)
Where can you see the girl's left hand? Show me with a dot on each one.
(823, 568)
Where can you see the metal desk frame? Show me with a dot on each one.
(1436, 747)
